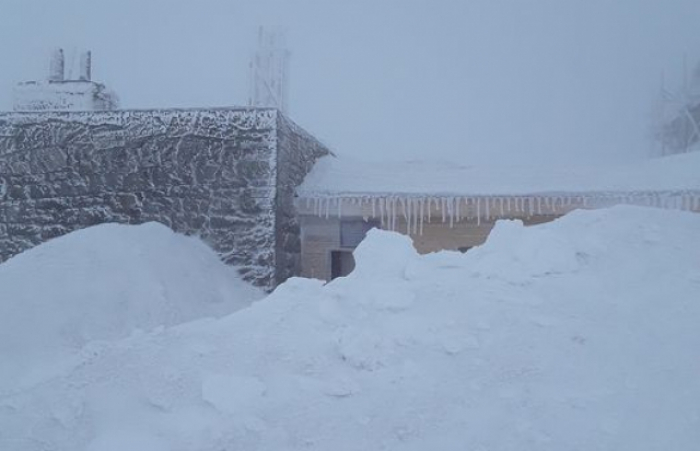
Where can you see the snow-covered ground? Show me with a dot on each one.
(104, 283)
(578, 334)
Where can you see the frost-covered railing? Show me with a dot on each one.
(415, 209)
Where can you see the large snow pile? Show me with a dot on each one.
(579, 334)
(103, 283)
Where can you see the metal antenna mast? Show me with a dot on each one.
(269, 71)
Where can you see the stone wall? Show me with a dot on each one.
(298, 153)
(209, 172)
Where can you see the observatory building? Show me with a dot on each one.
(61, 93)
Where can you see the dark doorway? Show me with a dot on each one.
(342, 263)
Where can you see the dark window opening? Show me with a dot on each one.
(353, 231)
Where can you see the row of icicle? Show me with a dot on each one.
(416, 210)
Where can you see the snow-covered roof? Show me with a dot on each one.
(339, 176)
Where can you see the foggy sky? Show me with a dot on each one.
(462, 80)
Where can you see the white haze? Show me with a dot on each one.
(467, 80)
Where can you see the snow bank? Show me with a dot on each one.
(573, 335)
(103, 283)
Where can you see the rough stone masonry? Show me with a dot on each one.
(225, 175)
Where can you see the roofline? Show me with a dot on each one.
(143, 110)
(596, 193)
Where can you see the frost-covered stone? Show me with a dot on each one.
(227, 175)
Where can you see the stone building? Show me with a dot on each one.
(227, 175)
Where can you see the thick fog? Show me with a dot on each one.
(467, 80)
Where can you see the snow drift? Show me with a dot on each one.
(573, 335)
(103, 283)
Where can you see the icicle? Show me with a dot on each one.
(411, 216)
(430, 205)
(406, 214)
(450, 211)
(478, 211)
(380, 204)
(390, 213)
(395, 209)
(384, 211)
(416, 205)
(340, 207)
(487, 206)
(500, 203)
(387, 212)
(458, 210)
(416, 214)
(443, 208)
(539, 205)
(422, 202)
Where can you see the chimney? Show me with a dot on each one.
(86, 66)
(57, 66)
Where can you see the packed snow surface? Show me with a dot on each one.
(332, 176)
(103, 283)
(578, 334)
